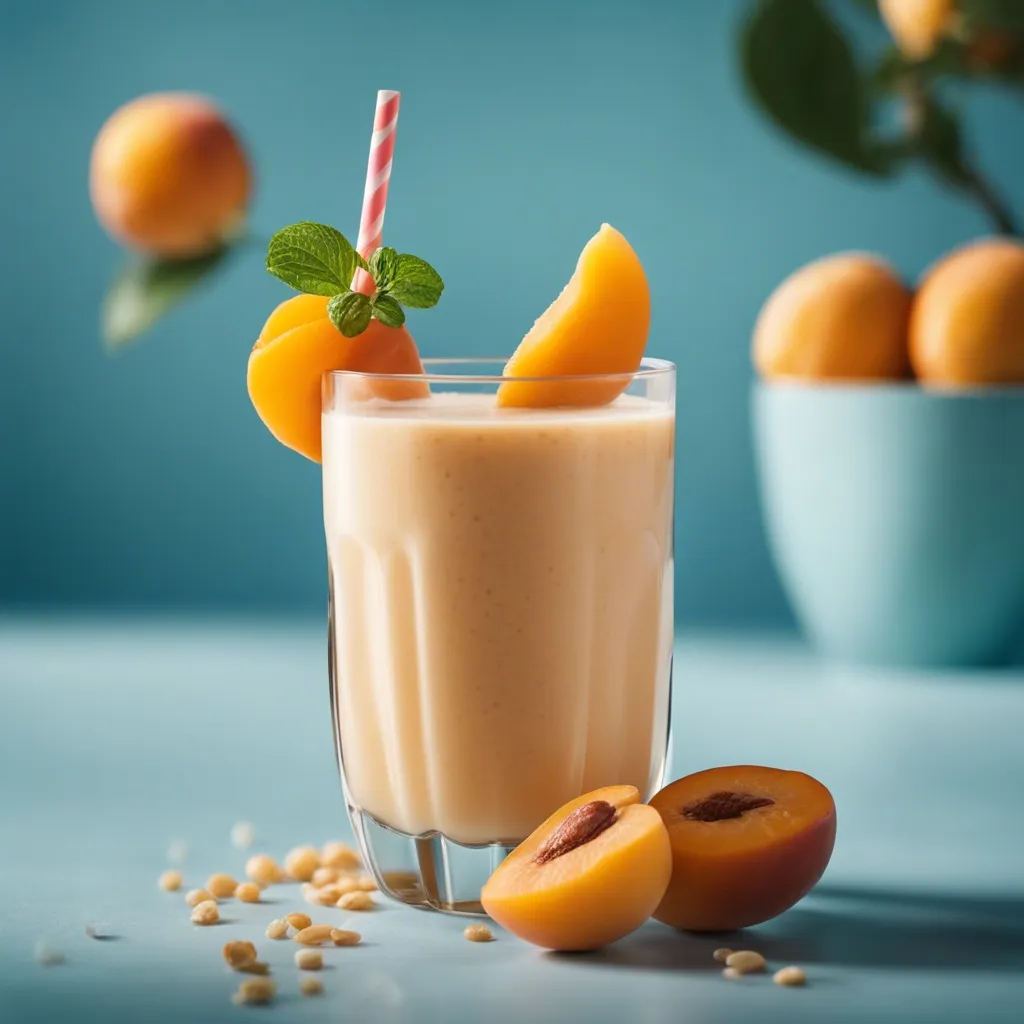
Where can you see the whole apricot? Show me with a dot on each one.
(842, 317)
(747, 843)
(916, 26)
(967, 324)
(169, 175)
(592, 873)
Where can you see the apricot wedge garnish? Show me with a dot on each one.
(592, 873)
(598, 325)
(298, 344)
(747, 843)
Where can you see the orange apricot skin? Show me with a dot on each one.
(298, 345)
(598, 325)
(716, 890)
(168, 175)
(967, 325)
(590, 905)
(842, 317)
(917, 25)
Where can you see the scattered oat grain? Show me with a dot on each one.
(325, 876)
(221, 886)
(239, 953)
(366, 883)
(299, 921)
(356, 901)
(205, 913)
(177, 851)
(478, 933)
(247, 892)
(242, 835)
(731, 974)
(256, 967)
(255, 992)
(311, 985)
(196, 896)
(340, 855)
(344, 937)
(301, 863)
(790, 976)
(309, 959)
(746, 961)
(277, 929)
(263, 869)
(170, 881)
(47, 956)
(721, 955)
(313, 935)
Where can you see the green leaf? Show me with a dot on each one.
(998, 14)
(350, 312)
(893, 68)
(145, 289)
(383, 267)
(388, 311)
(416, 283)
(312, 258)
(799, 69)
(360, 262)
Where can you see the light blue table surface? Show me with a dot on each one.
(119, 737)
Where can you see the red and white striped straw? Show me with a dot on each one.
(378, 174)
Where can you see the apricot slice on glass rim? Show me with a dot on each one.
(747, 843)
(298, 345)
(592, 873)
(598, 325)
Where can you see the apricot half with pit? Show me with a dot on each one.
(747, 843)
(592, 873)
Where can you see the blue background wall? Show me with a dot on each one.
(146, 479)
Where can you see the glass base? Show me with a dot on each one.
(431, 872)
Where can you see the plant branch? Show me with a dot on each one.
(986, 197)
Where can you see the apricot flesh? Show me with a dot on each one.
(298, 345)
(597, 325)
(843, 317)
(169, 176)
(747, 843)
(562, 896)
(967, 324)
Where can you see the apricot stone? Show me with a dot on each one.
(967, 324)
(842, 317)
(747, 843)
(597, 325)
(169, 176)
(592, 873)
(299, 344)
(916, 26)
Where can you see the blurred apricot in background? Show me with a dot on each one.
(169, 176)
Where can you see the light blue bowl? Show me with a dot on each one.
(895, 516)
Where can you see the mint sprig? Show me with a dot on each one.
(320, 260)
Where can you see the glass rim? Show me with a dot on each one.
(650, 368)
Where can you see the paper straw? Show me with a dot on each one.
(378, 174)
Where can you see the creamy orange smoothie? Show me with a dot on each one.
(501, 582)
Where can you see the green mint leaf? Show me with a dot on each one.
(312, 258)
(416, 283)
(145, 289)
(388, 311)
(361, 263)
(383, 267)
(350, 312)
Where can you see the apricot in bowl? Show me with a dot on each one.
(747, 843)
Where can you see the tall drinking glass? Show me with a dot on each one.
(500, 620)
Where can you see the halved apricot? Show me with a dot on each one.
(598, 325)
(298, 344)
(592, 873)
(747, 843)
